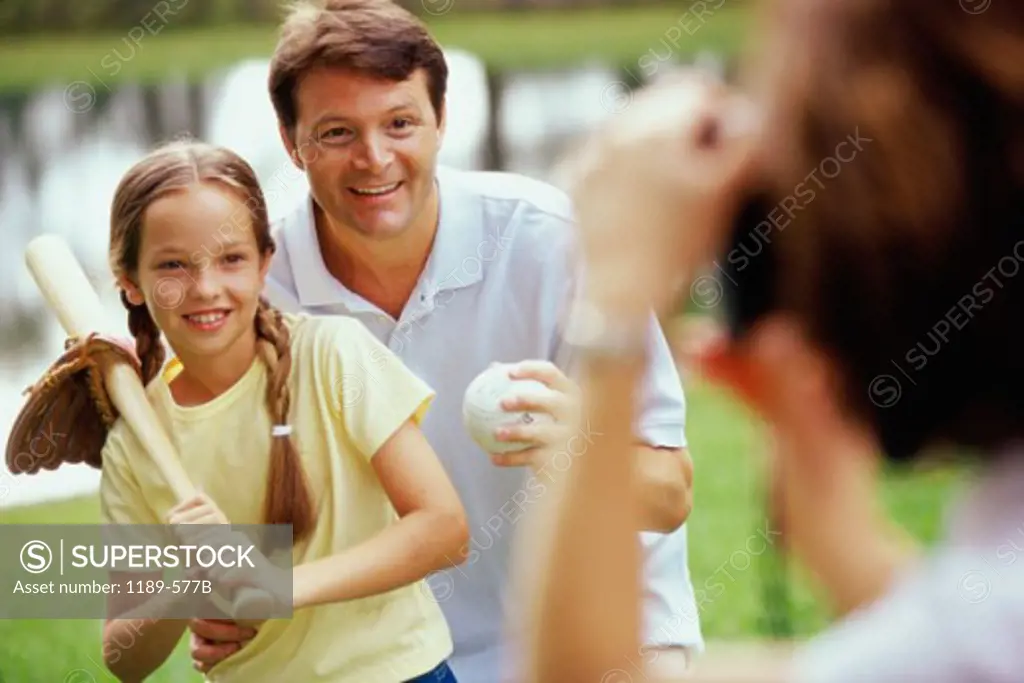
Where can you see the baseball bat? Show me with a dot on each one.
(73, 299)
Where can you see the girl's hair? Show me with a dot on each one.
(171, 168)
(892, 211)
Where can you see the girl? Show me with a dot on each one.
(874, 306)
(279, 419)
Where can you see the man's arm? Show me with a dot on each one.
(662, 475)
(664, 485)
(664, 470)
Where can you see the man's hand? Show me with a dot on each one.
(214, 640)
(562, 403)
(664, 476)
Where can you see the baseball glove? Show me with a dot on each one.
(68, 412)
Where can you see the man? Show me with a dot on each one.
(453, 271)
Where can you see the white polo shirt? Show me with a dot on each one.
(494, 289)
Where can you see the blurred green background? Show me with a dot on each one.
(555, 62)
(60, 41)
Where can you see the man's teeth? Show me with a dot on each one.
(206, 318)
(375, 190)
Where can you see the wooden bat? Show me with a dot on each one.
(71, 296)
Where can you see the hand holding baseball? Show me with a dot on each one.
(518, 412)
(561, 402)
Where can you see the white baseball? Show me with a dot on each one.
(482, 413)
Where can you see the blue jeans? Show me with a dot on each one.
(441, 674)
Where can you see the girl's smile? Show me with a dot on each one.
(211, 320)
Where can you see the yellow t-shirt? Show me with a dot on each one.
(349, 395)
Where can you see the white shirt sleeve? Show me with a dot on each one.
(662, 414)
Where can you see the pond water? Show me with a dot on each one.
(62, 152)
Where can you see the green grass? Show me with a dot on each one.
(515, 40)
(727, 566)
(727, 447)
(67, 650)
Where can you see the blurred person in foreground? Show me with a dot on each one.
(879, 321)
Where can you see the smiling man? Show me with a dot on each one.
(453, 271)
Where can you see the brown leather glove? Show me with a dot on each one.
(68, 412)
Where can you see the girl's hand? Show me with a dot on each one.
(258, 572)
(199, 509)
(655, 189)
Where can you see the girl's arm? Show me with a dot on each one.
(431, 534)
(133, 648)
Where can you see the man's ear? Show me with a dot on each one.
(442, 123)
(132, 292)
(296, 154)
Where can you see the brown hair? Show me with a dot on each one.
(374, 37)
(898, 254)
(171, 168)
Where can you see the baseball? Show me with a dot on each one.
(482, 413)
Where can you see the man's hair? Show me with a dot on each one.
(895, 166)
(373, 37)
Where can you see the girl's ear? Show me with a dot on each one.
(134, 294)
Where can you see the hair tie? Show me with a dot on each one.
(281, 430)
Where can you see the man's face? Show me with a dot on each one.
(368, 147)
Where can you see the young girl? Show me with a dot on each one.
(279, 419)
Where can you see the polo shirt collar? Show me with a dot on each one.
(314, 284)
(456, 258)
(454, 261)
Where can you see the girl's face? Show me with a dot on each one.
(200, 271)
